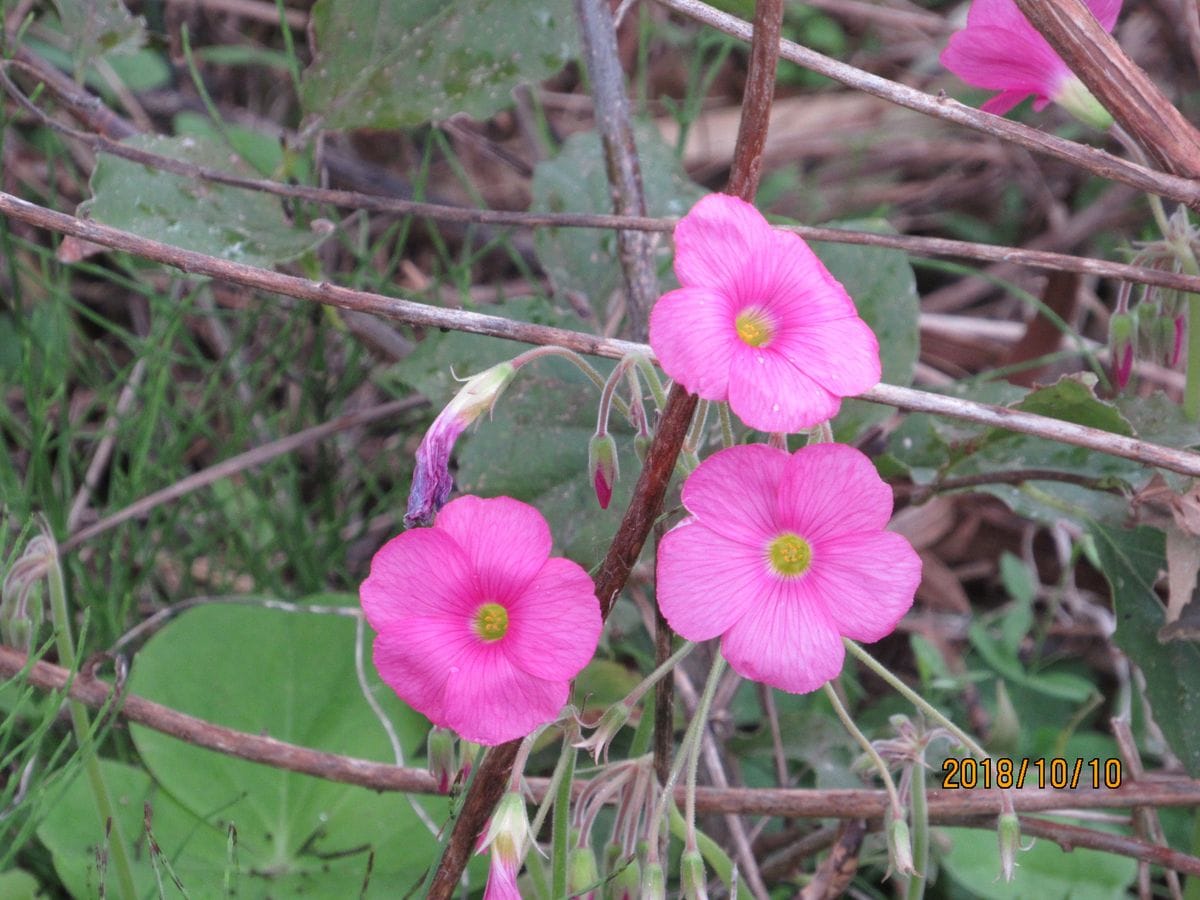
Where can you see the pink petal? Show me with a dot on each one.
(832, 489)
(1004, 60)
(502, 882)
(1004, 101)
(417, 573)
(841, 356)
(733, 492)
(785, 642)
(707, 582)
(415, 660)
(693, 336)
(489, 701)
(786, 278)
(864, 582)
(1105, 11)
(506, 540)
(555, 624)
(716, 240)
(769, 393)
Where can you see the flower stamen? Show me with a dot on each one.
(754, 327)
(789, 554)
(491, 621)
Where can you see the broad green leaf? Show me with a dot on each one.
(243, 226)
(584, 260)
(388, 64)
(196, 850)
(1131, 560)
(99, 27)
(884, 289)
(289, 676)
(1073, 399)
(1046, 871)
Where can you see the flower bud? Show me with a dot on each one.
(1180, 333)
(468, 752)
(641, 443)
(1122, 336)
(654, 883)
(1009, 833)
(508, 832)
(603, 466)
(1006, 726)
(692, 879)
(626, 882)
(432, 482)
(21, 608)
(583, 877)
(441, 758)
(900, 858)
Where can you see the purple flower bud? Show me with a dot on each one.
(1180, 332)
(603, 466)
(432, 482)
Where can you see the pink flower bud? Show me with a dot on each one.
(1180, 332)
(1122, 334)
(603, 466)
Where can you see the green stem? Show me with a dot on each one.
(652, 380)
(727, 439)
(693, 757)
(118, 850)
(580, 363)
(915, 699)
(561, 826)
(1191, 387)
(876, 760)
(920, 831)
(654, 677)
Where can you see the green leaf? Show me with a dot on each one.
(884, 289)
(584, 260)
(1131, 560)
(96, 28)
(1073, 399)
(1046, 871)
(291, 677)
(19, 885)
(395, 65)
(240, 225)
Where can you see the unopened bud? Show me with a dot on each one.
(1006, 725)
(21, 609)
(691, 876)
(1122, 336)
(626, 881)
(654, 883)
(1009, 832)
(440, 749)
(641, 443)
(583, 877)
(900, 858)
(1180, 333)
(508, 833)
(603, 466)
(468, 752)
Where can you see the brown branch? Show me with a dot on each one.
(1096, 161)
(945, 806)
(1117, 82)
(412, 313)
(599, 38)
(89, 109)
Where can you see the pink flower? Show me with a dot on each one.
(784, 555)
(478, 628)
(759, 321)
(508, 837)
(1001, 51)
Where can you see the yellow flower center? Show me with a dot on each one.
(790, 555)
(754, 326)
(491, 621)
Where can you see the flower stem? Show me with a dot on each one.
(915, 699)
(654, 677)
(561, 824)
(877, 760)
(118, 850)
(571, 356)
(920, 831)
(693, 757)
